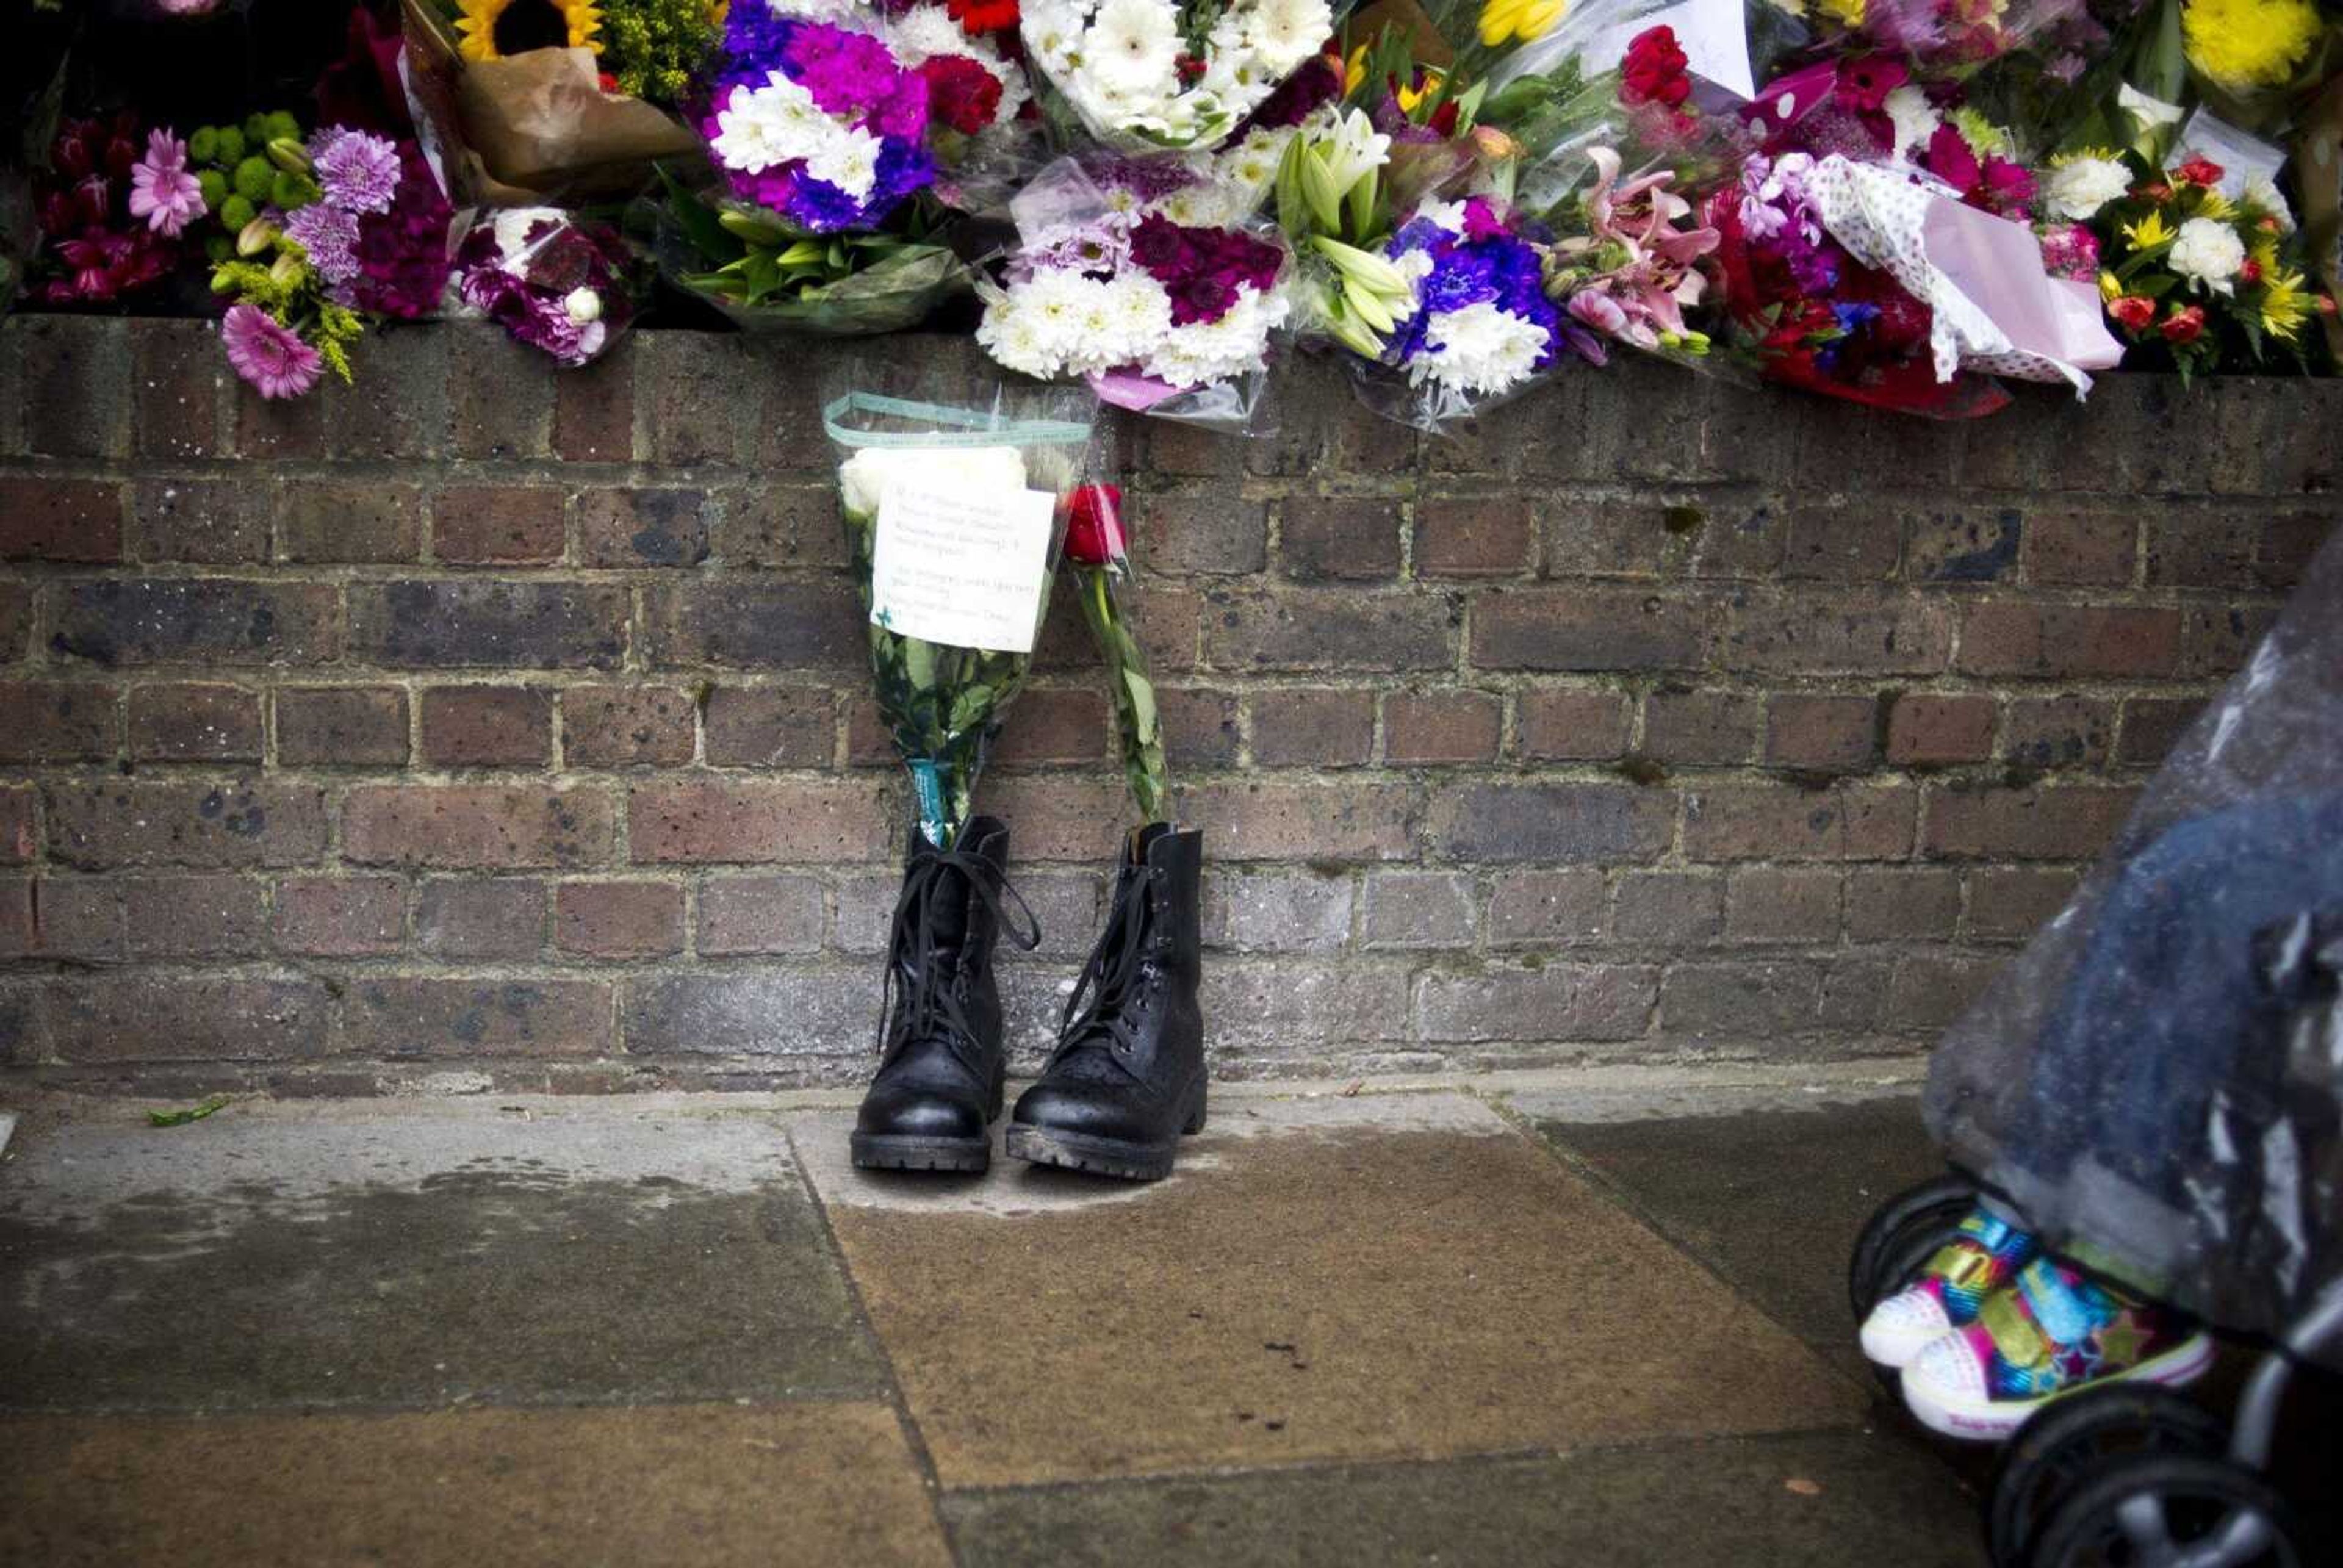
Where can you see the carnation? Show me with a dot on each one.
(2208, 253)
(2079, 186)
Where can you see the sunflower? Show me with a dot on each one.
(2243, 45)
(492, 29)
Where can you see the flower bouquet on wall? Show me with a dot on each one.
(1150, 75)
(562, 284)
(112, 204)
(957, 492)
(1098, 558)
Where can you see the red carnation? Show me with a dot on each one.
(978, 18)
(2134, 311)
(1094, 535)
(2201, 171)
(2184, 326)
(963, 93)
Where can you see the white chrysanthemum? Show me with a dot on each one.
(1055, 303)
(1479, 349)
(848, 159)
(1133, 46)
(864, 478)
(923, 32)
(1141, 314)
(1210, 351)
(2208, 253)
(2260, 191)
(815, 10)
(775, 124)
(1287, 32)
(1914, 118)
(2080, 187)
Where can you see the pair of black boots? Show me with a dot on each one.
(1126, 1080)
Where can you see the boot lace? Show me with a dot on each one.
(1099, 1016)
(918, 1002)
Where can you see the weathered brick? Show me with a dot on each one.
(58, 721)
(740, 916)
(2288, 541)
(1276, 911)
(76, 385)
(619, 920)
(1740, 541)
(487, 727)
(194, 722)
(627, 726)
(329, 521)
(341, 726)
(146, 822)
(2050, 824)
(1587, 629)
(1740, 1001)
(2203, 549)
(1557, 1002)
(1277, 821)
(750, 822)
(1575, 824)
(594, 409)
(2060, 731)
(2007, 903)
(772, 726)
(1200, 727)
(2067, 549)
(15, 620)
(1078, 816)
(642, 528)
(1974, 545)
(1321, 629)
(388, 1016)
(45, 519)
(210, 522)
(498, 525)
(1312, 728)
(177, 375)
(185, 1018)
(1684, 726)
(1836, 733)
(1294, 1005)
(2067, 641)
(1673, 908)
(1872, 634)
(1763, 904)
(1055, 725)
(1784, 822)
(206, 620)
(1841, 545)
(340, 917)
(1928, 729)
(1411, 909)
(1566, 724)
(399, 409)
(688, 387)
(1894, 905)
(1932, 991)
(1337, 538)
(1842, 446)
(2217, 640)
(440, 625)
(19, 823)
(1208, 532)
(1162, 616)
(71, 918)
(499, 395)
(1430, 727)
(1545, 908)
(475, 827)
(767, 524)
(2152, 726)
(765, 1011)
(499, 918)
(273, 429)
(1854, 993)
(1473, 536)
(757, 626)
(1614, 539)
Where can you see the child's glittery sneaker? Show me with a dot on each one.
(2052, 1333)
(1984, 1258)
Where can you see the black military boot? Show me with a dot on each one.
(941, 1076)
(1128, 1078)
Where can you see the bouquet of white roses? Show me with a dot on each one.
(1138, 75)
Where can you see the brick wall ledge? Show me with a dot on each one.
(492, 726)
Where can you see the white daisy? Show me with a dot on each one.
(1133, 46)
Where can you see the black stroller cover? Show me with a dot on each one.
(2157, 1082)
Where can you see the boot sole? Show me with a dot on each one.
(1117, 1157)
(878, 1151)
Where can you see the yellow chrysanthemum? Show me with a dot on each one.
(477, 25)
(2216, 206)
(1518, 21)
(1850, 12)
(2285, 303)
(2148, 233)
(2243, 45)
(2110, 287)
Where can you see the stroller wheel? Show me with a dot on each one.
(2039, 1469)
(1902, 1234)
(2162, 1510)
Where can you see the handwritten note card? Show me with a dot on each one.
(964, 568)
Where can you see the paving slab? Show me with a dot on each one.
(1770, 1195)
(1829, 1501)
(1375, 1278)
(416, 1254)
(813, 1483)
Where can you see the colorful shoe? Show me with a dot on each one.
(2052, 1333)
(1984, 1258)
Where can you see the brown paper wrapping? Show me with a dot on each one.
(517, 131)
(2318, 168)
(1368, 22)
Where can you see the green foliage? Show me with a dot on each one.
(1138, 727)
(290, 190)
(191, 1113)
(254, 178)
(652, 46)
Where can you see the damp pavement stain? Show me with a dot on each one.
(1351, 1280)
(249, 1262)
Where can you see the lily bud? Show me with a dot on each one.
(255, 237)
(1369, 308)
(289, 156)
(1361, 267)
(286, 270)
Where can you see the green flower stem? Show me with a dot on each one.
(1138, 726)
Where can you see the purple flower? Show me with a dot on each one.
(266, 353)
(356, 171)
(329, 233)
(162, 191)
(402, 254)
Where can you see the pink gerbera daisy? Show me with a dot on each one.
(162, 191)
(268, 354)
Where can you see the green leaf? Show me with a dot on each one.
(699, 225)
(191, 1113)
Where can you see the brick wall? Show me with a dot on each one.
(491, 720)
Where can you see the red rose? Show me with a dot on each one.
(1094, 535)
(2326, 304)
(2201, 171)
(1653, 69)
(961, 93)
(2135, 311)
(2184, 326)
(2251, 272)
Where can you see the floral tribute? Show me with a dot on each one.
(1477, 320)
(1138, 74)
(558, 285)
(112, 205)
